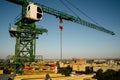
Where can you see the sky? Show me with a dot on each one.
(78, 41)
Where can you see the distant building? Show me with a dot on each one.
(78, 64)
(100, 61)
(78, 61)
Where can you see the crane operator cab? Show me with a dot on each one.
(33, 12)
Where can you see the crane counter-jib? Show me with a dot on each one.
(69, 17)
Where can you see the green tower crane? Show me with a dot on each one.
(26, 34)
(26, 31)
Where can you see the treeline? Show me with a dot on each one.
(107, 75)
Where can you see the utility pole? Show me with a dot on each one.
(61, 28)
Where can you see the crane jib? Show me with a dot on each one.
(69, 17)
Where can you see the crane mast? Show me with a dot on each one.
(26, 31)
(26, 34)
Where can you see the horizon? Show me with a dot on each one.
(78, 40)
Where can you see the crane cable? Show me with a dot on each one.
(69, 8)
(79, 11)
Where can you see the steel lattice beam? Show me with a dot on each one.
(69, 17)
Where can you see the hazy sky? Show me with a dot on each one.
(78, 41)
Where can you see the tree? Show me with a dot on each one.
(65, 71)
(99, 74)
(107, 75)
(88, 69)
(118, 75)
(110, 74)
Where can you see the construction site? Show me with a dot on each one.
(24, 64)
